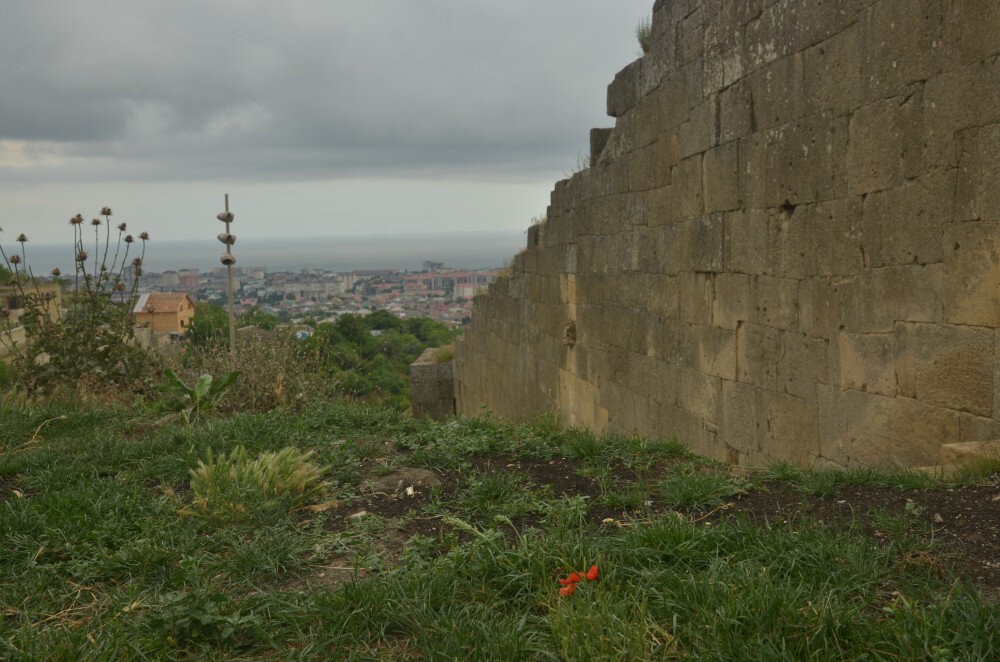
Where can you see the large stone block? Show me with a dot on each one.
(696, 296)
(807, 160)
(832, 73)
(708, 248)
(895, 432)
(716, 351)
(953, 366)
(777, 302)
(722, 177)
(792, 429)
(875, 152)
(868, 362)
(972, 273)
(974, 27)
(903, 44)
(624, 91)
(978, 187)
(686, 200)
(733, 301)
(803, 364)
(778, 92)
(700, 132)
(757, 355)
(834, 230)
(748, 244)
(736, 112)
(744, 417)
(904, 225)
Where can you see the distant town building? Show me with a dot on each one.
(165, 312)
(433, 266)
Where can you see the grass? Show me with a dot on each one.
(99, 561)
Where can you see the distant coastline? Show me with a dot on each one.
(468, 250)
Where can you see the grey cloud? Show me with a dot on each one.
(144, 90)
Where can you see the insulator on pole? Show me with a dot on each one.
(225, 216)
(227, 238)
(228, 259)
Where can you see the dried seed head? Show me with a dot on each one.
(137, 262)
(144, 236)
(21, 238)
(129, 239)
(56, 272)
(15, 259)
(137, 271)
(121, 227)
(76, 220)
(119, 286)
(95, 221)
(104, 268)
(105, 211)
(81, 256)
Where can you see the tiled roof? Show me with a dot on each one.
(160, 302)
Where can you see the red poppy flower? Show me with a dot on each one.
(592, 575)
(575, 578)
(567, 590)
(565, 582)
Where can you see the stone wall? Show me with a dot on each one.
(787, 247)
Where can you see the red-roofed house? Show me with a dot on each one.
(165, 312)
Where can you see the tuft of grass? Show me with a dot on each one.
(236, 487)
(690, 489)
(644, 34)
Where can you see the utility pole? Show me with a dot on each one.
(229, 239)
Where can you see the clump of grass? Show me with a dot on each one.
(696, 490)
(444, 354)
(236, 487)
(644, 34)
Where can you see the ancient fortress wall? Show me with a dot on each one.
(788, 246)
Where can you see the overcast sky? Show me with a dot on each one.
(318, 117)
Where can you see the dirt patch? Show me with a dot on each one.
(559, 474)
(965, 521)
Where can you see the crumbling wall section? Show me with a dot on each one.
(788, 247)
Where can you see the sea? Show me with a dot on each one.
(406, 252)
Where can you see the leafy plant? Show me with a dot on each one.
(95, 336)
(205, 393)
(240, 488)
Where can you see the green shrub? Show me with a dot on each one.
(240, 488)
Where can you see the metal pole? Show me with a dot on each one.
(229, 291)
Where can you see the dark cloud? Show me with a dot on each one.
(179, 90)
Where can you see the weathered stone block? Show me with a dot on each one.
(623, 92)
(972, 273)
(834, 230)
(708, 248)
(598, 140)
(895, 432)
(700, 131)
(733, 301)
(753, 170)
(874, 156)
(807, 160)
(744, 417)
(777, 302)
(867, 362)
(953, 366)
(792, 429)
(903, 44)
(832, 73)
(433, 388)
(757, 355)
(686, 201)
(802, 364)
(778, 92)
(722, 177)
(904, 225)
(736, 112)
(716, 351)
(696, 296)
(748, 242)
(700, 394)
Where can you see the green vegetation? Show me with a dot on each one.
(292, 533)
(95, 340)
(644, 34)
(358, 356)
